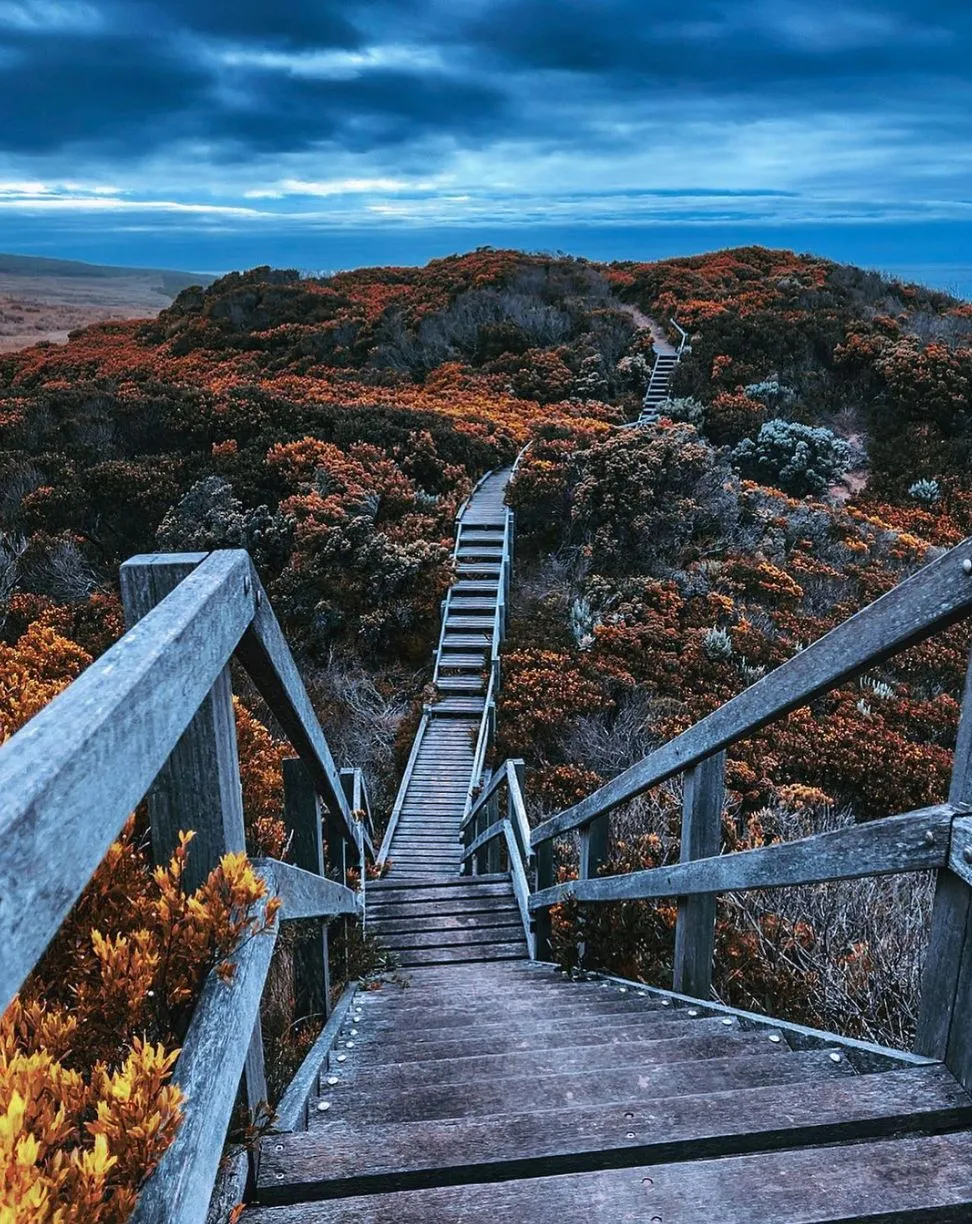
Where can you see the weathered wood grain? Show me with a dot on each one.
(302, 815)
(914, 841)
(521, 887)
(208, 1071)
(306, 895)
(502, 1094)
(524, 1144)
(918, 1179)
(703, 797)
(935, 597)
(72, 775)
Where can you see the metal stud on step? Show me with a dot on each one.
(341, 1057)
(323, 1106)
(727, 1020)
(693, 1011)
(835, 1057)
(775, 1038)
(349, 1045)
(332, 1080)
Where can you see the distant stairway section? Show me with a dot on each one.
(422, 841)
(667, 357)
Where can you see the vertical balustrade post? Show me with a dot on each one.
(704, 792)
(198, 787)
(494, 858)
(545, 879)
(302, 813)
(946, 986)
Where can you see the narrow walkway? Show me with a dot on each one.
(424, 842)
(497, 1093)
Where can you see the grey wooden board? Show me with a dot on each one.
(921, 1180)
(305, 895)
(291, 1111)
(341, 1160)
(703, 798)
(633, 1056)
(386, 891)
(72, 775)
(208, 1071)
(422, 909)
(482, 1098)
(915, 841)
(458, 1012)
(452, 922)
(500, 1040)
(475, 952)
(938, 595)
(505, 933)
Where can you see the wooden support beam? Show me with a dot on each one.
(703, 796)
(946, 988)
(915, 841)
(545, 879)
(302, 814)
(198, 788)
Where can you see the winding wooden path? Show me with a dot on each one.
(423, 839)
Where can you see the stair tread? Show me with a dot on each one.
(693, 1134)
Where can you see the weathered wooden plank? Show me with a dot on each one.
(306, 895)
(391, 1156)
(396, 812)
(476, 952)
(198, 787)
(504, 1094)
(499, 1039)
(945, 986)
(935, 597)
(302, 815)
(291, 1112)
(704, 792)
(487, 835)
(208, 1071)
(915, 841)
(521, 888)
(264, 653)
(918, 1179)
(72, 775)
(516, 773)
(634, 1057)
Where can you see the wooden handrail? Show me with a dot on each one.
(932, 599)
(72, 775)
(915, 841)
(214, 1052)
(157, 708)
(396, 811)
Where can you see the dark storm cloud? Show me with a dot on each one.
(138, 76)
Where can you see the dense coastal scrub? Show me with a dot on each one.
(815, 452)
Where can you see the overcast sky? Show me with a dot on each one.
(217, 133)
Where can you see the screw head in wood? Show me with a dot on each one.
(278, 1147)
(629, 1134)
(929, 838)
(349, 1045)
(775, 1038)
(835, 1057)
(693, 1011)
(332, 1080)
(967, 854)
(354, 1032)
(967, 565)
(279, 1176)
(666, 1002)
(727, 1020)
(323, 1106)
(341, 1057)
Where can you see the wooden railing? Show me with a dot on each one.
(494, 843)
(937, 838)
(683, 339)
(487, 724)
(153, 717)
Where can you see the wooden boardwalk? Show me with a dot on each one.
(423, 840)
(667, 357)
(497, 1091)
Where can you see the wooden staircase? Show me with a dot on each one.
(495, 1090)
(422, 842)
(667, 357)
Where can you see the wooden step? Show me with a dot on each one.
(459, 705)
(577, 1166)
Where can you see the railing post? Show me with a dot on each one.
(946, 986)
(704, 791)
(494, 848)
(545, 879)
(198, 787)
(302, 813)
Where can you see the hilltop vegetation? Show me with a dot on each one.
(816, 451)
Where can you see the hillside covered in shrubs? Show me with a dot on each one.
(816, 451)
